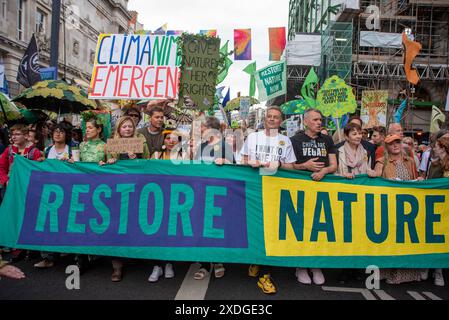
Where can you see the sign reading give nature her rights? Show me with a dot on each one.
(135, 67)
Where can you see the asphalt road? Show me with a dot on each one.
(95, 284)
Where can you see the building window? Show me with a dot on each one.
(41, 17)
(20, 19)
(3, 10)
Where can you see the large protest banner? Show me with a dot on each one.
(199, 69)
(197, 212)
(374, 108)
(135, 67)
(272, 81)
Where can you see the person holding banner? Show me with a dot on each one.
(316, 153)
(213, 150)
(62, 151)
(171, 150)
(268, 150)
(10, 271)
(395, 165)
(352, 157)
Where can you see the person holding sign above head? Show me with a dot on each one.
(153, 133)
(316, 153)
(268, 150)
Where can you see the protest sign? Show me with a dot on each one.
(244, 107)
(374, 108)
(199, 69)
(335, 98)
(135, 67)
(272, 81)
(134, 145)
(154, 209)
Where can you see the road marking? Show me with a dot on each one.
(416, 295)
(192, 289)
(365, 292)
(383, 295)
(432, 296)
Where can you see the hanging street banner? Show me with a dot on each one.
(199, 69)
(272, 81)
(374, 108)
(335, 98)
(154, 209)
(135, 67)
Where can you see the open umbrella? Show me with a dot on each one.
(235, 103)
(294, 107)
(9, 109)
(57, 96)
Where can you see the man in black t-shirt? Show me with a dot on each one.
(314, 152)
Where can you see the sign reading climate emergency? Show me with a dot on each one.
(135, 67)
(154, 209)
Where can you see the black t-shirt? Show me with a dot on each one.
(307, 148)
(220, 150)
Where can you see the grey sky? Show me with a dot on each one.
(225, 16)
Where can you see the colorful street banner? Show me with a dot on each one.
(154, 209)
(242, 44)
(209, 33)
(335, 98)
(272, 81)
(374, 108)
(135, 67)
(201, 57)
(277, 42)
(174, 32)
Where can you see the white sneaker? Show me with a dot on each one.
(303, 276)
(318, 277)
(169, 273)
(424, 274)
(439, 279)
(157, 272)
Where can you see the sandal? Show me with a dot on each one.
(201, 274)
(116, 275)
(219, 270)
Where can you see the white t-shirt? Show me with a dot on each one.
(259, 146)
(53, 154)
(424, 161)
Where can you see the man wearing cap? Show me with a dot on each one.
(395, 164)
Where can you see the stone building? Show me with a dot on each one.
(81, 23)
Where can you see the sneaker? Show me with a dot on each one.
(424, 274)
(266, 284)
(318, 277)
(303, 276)
(438, 278)
(157, 272)
(253, 270)
(44, 264)
(169, 273)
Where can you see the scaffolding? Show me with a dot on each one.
(336, 52)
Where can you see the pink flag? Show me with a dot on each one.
(242, 44)
(277, 42)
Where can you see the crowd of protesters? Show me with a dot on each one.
(386, 153)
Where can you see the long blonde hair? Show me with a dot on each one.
(120, 122)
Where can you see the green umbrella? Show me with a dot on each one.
(33, 116)
(8, 108)
(235, 103)
(294, 107)
(57, 96)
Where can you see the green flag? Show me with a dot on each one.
(224, 69)
(307, 88)
(251, 69)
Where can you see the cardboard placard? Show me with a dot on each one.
(125, 145)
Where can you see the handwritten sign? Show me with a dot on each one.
(135, 67)
(134, 145)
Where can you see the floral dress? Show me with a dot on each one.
(92, 151)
